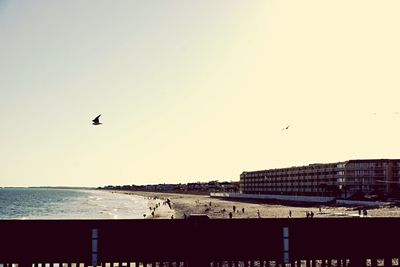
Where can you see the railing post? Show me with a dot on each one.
(356, 262)
(285, 234)
(24, 264)
(387, 262)
(94, 258)
(197, 259)
(313, 263)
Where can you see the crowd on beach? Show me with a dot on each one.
(171, 206)
(159, 202)
(209, 206)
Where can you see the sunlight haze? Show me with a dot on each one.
(193, 90)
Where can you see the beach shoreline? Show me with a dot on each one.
(185, 204)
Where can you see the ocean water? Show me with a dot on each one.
(41, 203)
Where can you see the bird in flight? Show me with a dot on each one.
(96, 120)
(287, 127)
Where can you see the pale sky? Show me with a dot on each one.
(193, 90)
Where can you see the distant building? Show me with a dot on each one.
(196, 186)
(353, 178)
(202, 187)
(232, 187)
(166, 187)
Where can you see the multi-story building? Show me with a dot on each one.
(346, 179)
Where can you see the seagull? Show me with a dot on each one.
(96, 120)
(287, 127)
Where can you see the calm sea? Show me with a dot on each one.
(38, 203)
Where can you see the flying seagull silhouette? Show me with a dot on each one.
(96, 120)
(287, 127)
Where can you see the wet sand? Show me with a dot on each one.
(182, 204)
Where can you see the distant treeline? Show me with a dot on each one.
(212, 186)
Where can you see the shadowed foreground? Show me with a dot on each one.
(199, 241)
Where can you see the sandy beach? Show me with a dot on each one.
(186, 204)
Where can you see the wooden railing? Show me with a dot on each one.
(200, 241)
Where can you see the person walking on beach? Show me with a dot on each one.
(365, 213)
(290, 214)
(234, 208)
(242, 210)
(230, 215)
(258, 214)
(169, 203)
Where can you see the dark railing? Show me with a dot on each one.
(200, 241)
